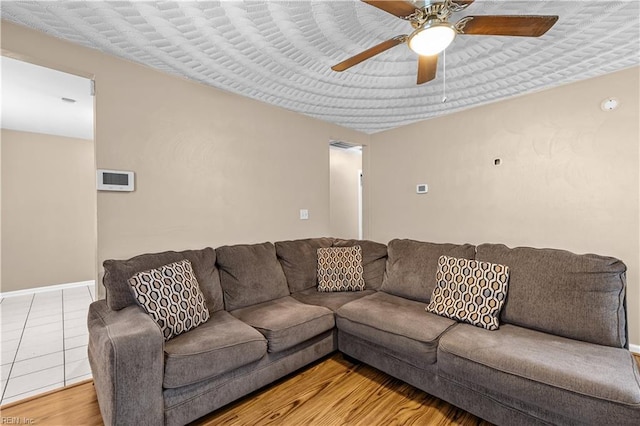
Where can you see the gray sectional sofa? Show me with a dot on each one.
(559, 357)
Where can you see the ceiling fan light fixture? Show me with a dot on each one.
(432, 38)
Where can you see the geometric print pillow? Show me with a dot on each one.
(470, 291)
(171, 296)
(340, 269)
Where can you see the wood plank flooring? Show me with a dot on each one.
(73, 405)
(308, 397)
(367, 397)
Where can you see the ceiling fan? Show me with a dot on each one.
(432, 31)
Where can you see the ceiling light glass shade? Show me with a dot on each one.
(432, 38)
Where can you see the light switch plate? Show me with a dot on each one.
(304, 214)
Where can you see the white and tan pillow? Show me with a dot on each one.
(340, 269)
(171, 296)
(470, 291)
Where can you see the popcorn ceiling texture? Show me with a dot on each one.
(281, 52)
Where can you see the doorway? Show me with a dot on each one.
(47, 228)
(47, 190)
(346, 185)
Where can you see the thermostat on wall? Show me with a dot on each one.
(422, 188)
(115, 180)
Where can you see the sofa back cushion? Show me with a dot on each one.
(577, 296)
(203, 262)
(250, 274)
(374, 259)
(299, 260)
(412, 266)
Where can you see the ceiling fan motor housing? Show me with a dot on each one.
(438, 12)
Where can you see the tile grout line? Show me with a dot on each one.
(64, 359)
(36, 371)
(90, 295)
(15, 356)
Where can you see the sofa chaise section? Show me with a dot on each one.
(559, 356)
(547, 377)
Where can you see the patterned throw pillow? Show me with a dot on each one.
(470, 291)
(171, 296)
(340, 269)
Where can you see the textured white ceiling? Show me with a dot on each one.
(280, 52)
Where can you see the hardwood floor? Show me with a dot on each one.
(368, 397)
(73, 405)
(308, 397)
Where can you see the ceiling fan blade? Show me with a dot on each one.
(369, 53)
(427, 67)
(464, 3)
(395, 7)
(523, 26)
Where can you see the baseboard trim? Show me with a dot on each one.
(47, 288)
(634, 348)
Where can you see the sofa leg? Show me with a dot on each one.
(350, 359)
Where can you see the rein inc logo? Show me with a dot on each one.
(17, 421)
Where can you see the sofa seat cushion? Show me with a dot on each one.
(333, 301)
(221, 344)
(285, 322)
(400, 325)
(577, 379)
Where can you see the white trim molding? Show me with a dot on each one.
(47, 288)
(634, 348)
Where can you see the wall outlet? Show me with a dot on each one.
(304, 214)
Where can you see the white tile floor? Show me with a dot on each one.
(43, 337)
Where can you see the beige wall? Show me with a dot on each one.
(48, 215)
(211, 167)
(569, 176)
(344, 168)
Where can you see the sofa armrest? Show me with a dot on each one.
(127, 362)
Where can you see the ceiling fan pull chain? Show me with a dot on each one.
(444, 76)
